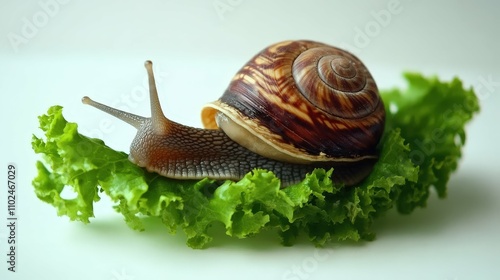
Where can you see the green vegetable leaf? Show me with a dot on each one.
(420, 149)
(432, 116)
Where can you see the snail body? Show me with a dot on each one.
(295, 106)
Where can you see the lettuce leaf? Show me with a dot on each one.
(420, 148)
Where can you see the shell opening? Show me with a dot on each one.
(219, 115)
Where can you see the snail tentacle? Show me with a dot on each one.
(133, 120)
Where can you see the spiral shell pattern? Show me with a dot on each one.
(336, 82)
(307, 98)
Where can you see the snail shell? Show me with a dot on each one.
(295, 106)
(302, 102)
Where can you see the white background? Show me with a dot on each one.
(57, 52)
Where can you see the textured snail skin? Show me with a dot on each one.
(195, 153)
(286, 128)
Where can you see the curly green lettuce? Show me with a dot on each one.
(420, 148)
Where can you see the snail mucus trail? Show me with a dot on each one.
(177, 151)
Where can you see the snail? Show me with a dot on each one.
(294, 107)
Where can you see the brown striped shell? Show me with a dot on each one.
(302, 101)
